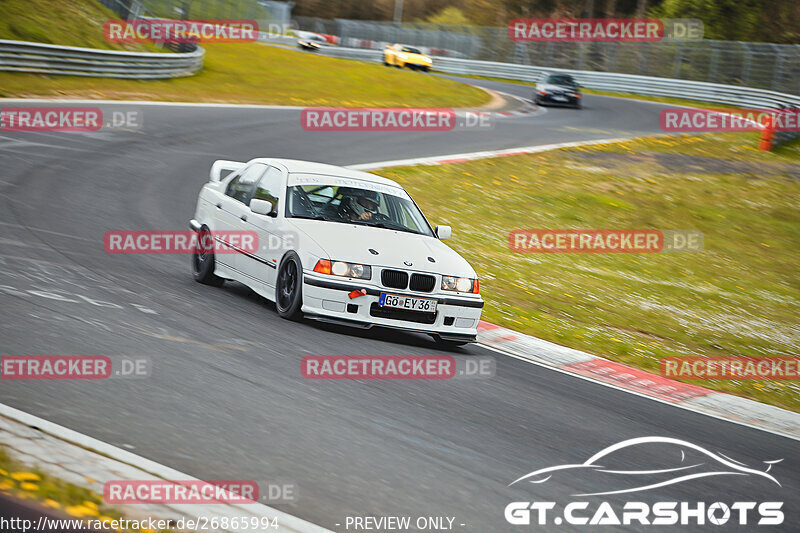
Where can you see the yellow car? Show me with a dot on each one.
(401, 56)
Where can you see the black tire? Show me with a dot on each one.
(203, 261)
(289, 287)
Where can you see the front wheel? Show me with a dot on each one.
(203, 261)
(289, 287)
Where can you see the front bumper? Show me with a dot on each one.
(418, 63)
(456, 317)
(558, 99)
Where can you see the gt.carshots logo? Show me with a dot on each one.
(674, 461)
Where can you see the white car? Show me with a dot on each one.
(336, 245)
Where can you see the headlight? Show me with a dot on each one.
(453, 283)
(343, 269)
(427, 59)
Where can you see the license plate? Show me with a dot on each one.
(559, 98)
(426, 305)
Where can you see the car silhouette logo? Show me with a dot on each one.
(612, 466)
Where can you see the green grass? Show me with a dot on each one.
(55, 494)
(738, 297)
(246, 73)
(70, 23)
(257, 74)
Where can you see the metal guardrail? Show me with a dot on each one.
(604, 81)
(774, 67)
(21, 56)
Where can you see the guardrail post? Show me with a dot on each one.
(778, 75)
(748, 61)
(713, 62)
(676, 68)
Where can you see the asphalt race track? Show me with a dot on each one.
(226, 399)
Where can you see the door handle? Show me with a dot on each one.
(244, 218)
(219, 205)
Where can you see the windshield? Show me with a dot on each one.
(561, 80)
(410, 50)
(351, 204)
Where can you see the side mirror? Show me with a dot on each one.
(444, 232)
(262, 207)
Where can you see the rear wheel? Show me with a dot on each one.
(203, 261)
(289, 287)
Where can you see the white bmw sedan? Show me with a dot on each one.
(335, 245)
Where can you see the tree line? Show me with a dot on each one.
(776, 21)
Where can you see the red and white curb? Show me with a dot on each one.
(692, 397)
(526, 108)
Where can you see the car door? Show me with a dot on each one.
(262, 264)
(233, 208)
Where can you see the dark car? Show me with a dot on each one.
(558, 89)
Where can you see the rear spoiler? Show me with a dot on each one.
(221, 165)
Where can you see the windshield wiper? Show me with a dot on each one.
(397, 227)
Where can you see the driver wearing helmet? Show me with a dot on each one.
(359, 204)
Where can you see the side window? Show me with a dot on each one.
(269, 188)
(241, 187)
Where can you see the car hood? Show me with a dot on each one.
(352, 242)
